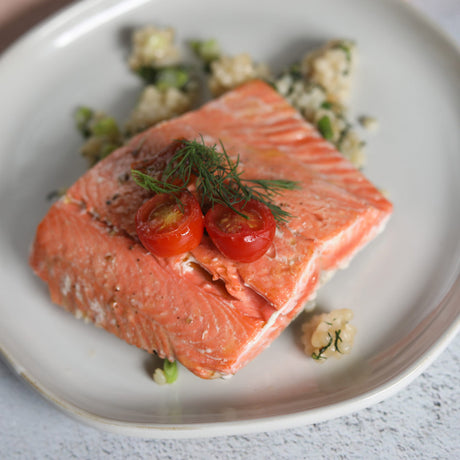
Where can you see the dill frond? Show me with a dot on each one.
(218, 179)
(321, 351)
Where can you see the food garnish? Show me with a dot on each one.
(325, 127)
(166, 375)
(170, 224)
(207, 51)
(217, 179)
(165, 77)
(320, 353)
(241, 214)
(329, 334)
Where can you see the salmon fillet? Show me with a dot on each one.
(212, 314)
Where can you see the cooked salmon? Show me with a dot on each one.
(212, 314)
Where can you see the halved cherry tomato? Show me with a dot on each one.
(241, 238)
(167, 227)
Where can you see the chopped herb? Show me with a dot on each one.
(295, 71)
(92, 123)
(148, 74)
(166, 374)
(321, 351)
(346, 49)
(218, 179)
(83, 116)
(206, 50)
(325, 127)
(342, 136)
(165, 77)
(327, 105)
(105, 126)
(172, 78)
(337, 339)
(100, 131)
(171, 371)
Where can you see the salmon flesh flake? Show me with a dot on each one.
(212, 314)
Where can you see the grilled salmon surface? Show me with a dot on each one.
(212, 314)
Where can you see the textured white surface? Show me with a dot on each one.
(422, 421)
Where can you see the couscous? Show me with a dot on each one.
(329, 334)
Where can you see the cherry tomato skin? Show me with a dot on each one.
(239, 238)
(167, 229)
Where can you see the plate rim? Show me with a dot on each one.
(219, 428)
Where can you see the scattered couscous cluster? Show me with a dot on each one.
(329, 334)
(228, 72)
(100, 131)
(156, 105)
(169, 89)
(170, 86)
(332, 67)
(318, 86)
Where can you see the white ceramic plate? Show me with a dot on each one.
(404, 288)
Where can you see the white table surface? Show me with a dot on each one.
(421, 421)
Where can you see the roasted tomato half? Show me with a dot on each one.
(244, 238)
(169, 224)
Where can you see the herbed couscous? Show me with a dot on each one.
(332, 67)
(101, 134)
(153, 47)
(166, 374)
(169, 89)
(318, 86)
(329, 334)
(228, 72)
(155, 105)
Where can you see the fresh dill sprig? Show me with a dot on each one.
(218, 179)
